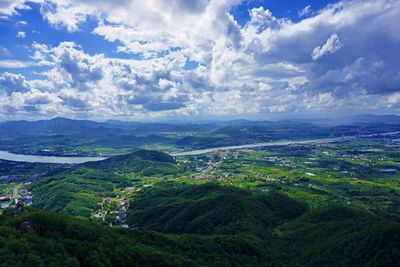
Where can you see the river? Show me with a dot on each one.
(46, 159)
(279, 143)
(276, 143)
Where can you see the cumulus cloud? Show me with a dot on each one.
(115, 86)
(328, 60)
(11, 83)
(189, 25)
(66, 14)
(10, 7)
(365, 62)
(331, 46)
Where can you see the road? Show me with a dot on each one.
(15, 193)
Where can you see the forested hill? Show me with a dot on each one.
(146, 162)
(78, 190)
(210, 209)
(235, 232)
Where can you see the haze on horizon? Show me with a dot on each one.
(176, 59)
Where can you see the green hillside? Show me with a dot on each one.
(38, 238)
(341, 236)
(144, 162)
(176, 219)
(78, 190)
(210, 209)
(245, 229)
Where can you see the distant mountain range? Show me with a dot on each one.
(61, 125)
(69, 126)
(64, 126)
(355, 120)
(62, 136)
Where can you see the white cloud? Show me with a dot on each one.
(392, 101)
(10, 7)
(332, 45)
(189, 25)
(15, 64)
(21, 23)
(262, 66)
(305, 11)
(21, 35)
(13, 83)
(67, 14)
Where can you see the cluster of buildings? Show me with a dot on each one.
(25, 196)
(116, 207)
(19, 196)
(282, 162)
(121, 213)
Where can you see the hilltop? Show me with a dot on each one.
(144, 162)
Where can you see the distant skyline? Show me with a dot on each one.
(201, 59)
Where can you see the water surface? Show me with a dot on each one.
(46, 159)
(276, 143)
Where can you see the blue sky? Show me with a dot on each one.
(198, 59)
